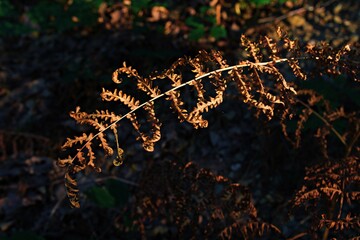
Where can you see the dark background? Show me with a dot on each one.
(56, 55)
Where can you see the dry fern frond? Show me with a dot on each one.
(261, 85)
(334, 184)
(249, 230)
(13, 144)
(197, 203)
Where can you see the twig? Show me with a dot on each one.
(298, 11)
(289, 14)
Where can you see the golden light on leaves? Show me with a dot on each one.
(259, 81)
(118, 161)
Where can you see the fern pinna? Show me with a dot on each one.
(259, 82)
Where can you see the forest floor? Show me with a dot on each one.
(44, 77)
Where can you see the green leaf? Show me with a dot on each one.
(7, 9)
(101, 196)
(196, 34)
(261, 2)
(8, 28)
(218, 32)
(119, 190)
(53, 16)
(194, 22)
(10, 25)
(204, 9)
(138, 5)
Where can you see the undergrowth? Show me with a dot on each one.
(269, 82)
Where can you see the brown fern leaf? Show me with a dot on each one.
(273, 48)
(144, 84)
(72, 189)
(261, 86)
(337, 183)
(155, 133)
(303, 117)
(85, 118)
(124, 69)
(295, 67)
(249, 230)
(171, 73)
(271, 69)
(331, 61)
(237, 76)
(256, 76)
(77, 140)
(203, 106)
(198, 65)
(340, 225)
(105, 116)
(196, 203)
(312, 102)
(126, 99)
(252, 48)
(176, 104)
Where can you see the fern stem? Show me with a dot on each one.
(300, 235)
(351, 145)
(324, 120)
(189, 82)
(341, 204)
